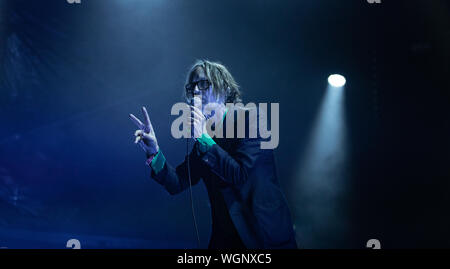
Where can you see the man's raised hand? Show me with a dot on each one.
(145, 135)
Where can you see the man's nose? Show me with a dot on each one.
(196, 90)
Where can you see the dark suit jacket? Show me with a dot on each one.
(249, 185)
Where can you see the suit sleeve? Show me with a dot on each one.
(175, 180)
(233, 169)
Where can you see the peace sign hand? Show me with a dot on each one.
(145, 136)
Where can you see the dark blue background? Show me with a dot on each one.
(70, 75)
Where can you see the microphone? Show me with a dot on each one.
(191, 103)
(196, 101)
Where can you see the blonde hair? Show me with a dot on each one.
(221, 79)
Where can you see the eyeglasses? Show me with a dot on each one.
(203, 85)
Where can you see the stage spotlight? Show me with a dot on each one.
(336, 80)
(322, 185)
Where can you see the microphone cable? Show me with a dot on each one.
(191, 196)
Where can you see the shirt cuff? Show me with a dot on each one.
(158, 161)
(205, 142)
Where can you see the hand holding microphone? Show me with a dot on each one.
(197, 121)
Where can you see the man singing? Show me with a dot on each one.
(248, 207)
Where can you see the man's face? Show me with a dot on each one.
(202, 87)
